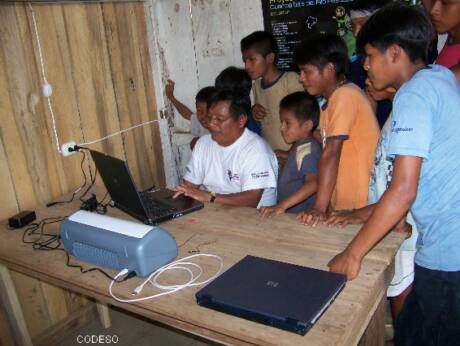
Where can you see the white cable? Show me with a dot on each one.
(47, 90)
(117, 133)
(180, 264)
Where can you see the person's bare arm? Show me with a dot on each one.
(391, 208)
(328, 169)
(248, 198)
(308, 188)
(346, 217)
(259, 112)
(181, 108)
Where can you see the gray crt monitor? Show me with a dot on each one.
(277, 294)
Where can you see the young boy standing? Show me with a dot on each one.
(198, 120)
(299, 115)
(349, 129)
(424, 143)
(260, 52)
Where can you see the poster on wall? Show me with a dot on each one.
(290, 21)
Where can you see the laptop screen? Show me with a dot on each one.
(119, 183)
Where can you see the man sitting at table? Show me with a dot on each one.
(231, 165)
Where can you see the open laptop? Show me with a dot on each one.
(150, 207)
(278, 294)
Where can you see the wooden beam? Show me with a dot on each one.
(104, 314)
(79, 318)
(13, 309)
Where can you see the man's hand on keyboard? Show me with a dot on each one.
(191, 191)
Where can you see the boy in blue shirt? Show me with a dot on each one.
(425, 145)
(297, 184)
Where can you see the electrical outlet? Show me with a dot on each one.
(65, 148)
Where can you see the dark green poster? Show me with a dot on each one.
(292, 20)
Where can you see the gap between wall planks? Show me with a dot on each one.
(97, 61)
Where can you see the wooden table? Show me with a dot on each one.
(231, 233)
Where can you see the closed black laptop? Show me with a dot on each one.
(278, 294)
(150, 207)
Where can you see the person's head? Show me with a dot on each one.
(228, 111)
(395, 43)
(299, 115)
(323, 61)
(444, 14)
(260, 52)
(361, 10)
(379, 95)
(234, 77)
(201, 102)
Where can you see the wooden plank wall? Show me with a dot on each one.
(197, 39)
(97, 60)
(194, 41)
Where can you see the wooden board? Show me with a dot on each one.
(93, 56)
(233, 233)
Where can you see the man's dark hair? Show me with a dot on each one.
(234, 77)
(320, 49)
(369, 5)
(401, 24)
(204, 94)
(263, 42)
(240, 103)
(303, 105)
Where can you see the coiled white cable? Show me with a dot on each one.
(180, 264)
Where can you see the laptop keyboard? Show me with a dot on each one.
(156, 209)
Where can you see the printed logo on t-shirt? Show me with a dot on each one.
(260, 175)
(233, 176)
(396, 129)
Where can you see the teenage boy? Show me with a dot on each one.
(299, 115)
(349, 130)
(424, 143)
(198, 120)
(401, 284)
(260, 52)
(232, 165)
(360, 12)
(445, 16)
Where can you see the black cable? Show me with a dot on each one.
(44, 240)
(93, 178)
(81, 187)
(101, 207)
(84, 271)
(45, 245)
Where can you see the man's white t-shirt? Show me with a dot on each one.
(196, 128)
(247, 164)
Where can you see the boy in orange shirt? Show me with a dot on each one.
(348, 127)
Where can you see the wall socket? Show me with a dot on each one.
(65, 148)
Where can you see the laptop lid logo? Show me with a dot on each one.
(272, 284)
